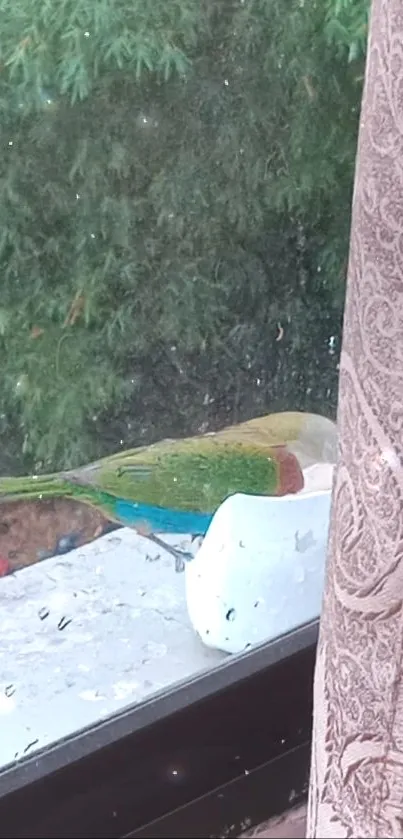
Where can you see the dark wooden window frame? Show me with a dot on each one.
(207, 758)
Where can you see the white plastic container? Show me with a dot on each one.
(260, 570)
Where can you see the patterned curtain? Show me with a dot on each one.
(356, 785)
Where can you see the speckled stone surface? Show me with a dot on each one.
(86, 635)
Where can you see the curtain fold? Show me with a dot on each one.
(356, 785)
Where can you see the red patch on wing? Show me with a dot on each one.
(290, 475)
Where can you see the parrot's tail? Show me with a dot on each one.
(59, 485)
(35, 487)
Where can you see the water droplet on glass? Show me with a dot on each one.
(21, 385)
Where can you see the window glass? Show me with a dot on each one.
(175, 190)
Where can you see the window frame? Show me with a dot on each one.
(208, 757)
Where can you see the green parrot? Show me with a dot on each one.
(175, 486)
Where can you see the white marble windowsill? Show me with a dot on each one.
(88, 634)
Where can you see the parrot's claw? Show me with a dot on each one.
(181, 557)
(179, 565)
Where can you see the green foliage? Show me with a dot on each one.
(175, 185)
(68, 46)
(347, 26)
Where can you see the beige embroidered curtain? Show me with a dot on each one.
(357, 759)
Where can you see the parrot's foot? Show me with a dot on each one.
(179, 565)
(181, 557)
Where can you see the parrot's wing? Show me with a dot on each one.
(311, 437)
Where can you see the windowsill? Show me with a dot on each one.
(219, 752)
(106, 627)
(91, 633)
